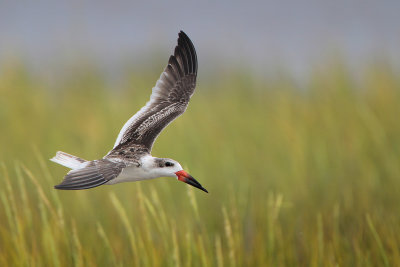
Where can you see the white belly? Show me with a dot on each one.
(131, 174)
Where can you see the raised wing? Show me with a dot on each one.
(168, 100)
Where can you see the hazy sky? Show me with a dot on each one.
(259, 34)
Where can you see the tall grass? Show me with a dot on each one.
(297, 176)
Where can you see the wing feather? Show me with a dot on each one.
(168, 100)
(96, 173)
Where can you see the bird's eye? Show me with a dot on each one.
(169, 164)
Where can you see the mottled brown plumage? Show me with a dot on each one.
(169, 99)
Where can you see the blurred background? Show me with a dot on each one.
(256, 35)
(293, 129)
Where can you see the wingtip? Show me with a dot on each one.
(58, 186)
(187, 46)
(182, 33)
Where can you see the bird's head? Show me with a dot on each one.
(163, 167)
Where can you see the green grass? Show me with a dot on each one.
(297, 176)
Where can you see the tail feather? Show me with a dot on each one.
(68, 160)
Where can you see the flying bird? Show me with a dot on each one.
(130, 158)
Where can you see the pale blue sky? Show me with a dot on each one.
(258, 34)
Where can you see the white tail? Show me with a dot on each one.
(68, 160)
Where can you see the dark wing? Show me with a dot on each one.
(168, 100)
(97, 172)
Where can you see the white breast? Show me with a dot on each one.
(131, 174)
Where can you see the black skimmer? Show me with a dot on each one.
(130, 159)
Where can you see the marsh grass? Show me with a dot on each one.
(297, 177)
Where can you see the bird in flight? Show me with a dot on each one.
(130, 159)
